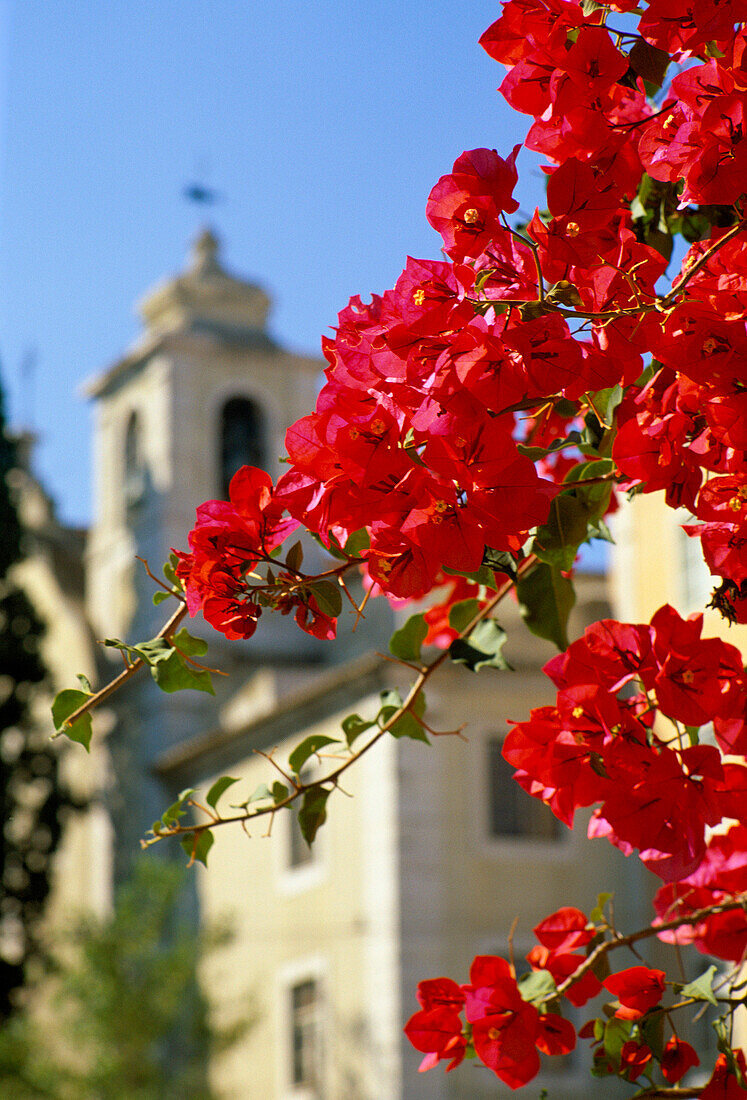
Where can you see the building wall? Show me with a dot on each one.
(332, 920)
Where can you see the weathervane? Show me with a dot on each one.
(198, 192)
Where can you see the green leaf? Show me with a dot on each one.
(359, 540)
(328, 598)
(187, 643)
(606, 401)
(85, 683)
(218, 788)
(353, 726)
(260, 794)
(157, 649)
(598, 529)
(160, 596)
(407, 724)
(652, 1032)
(279, 792)
(66, 702)
(461, 614)
(176, 809)
(313, 812)
(483, 575)
(482, 648)
(294, 557)
(648, 62)
(406, 642)
(175, 674)
(307, 748)
(558, 540)
(701, 989)
(169, 572)
(545, 601)
(197, 845)
(537, 987)
(616, 1034)
(597, 913)
(571, 440)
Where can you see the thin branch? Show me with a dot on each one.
(679, 287)
(532, 244)
(695, 917)
(406, 707)
(98, 697)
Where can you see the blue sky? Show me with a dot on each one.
(323, 125)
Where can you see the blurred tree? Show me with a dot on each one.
(128, 1019)
(32, 798)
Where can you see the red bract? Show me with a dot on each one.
(564, 930)
(698, 678)
(555, 1035)
(634, 1057)
(438, 1033)
(465, 206)
(677, 1059)
(456, 410)
(504, 1027)
(638, 989)
(724, 1083)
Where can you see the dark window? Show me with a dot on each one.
(306, 1034)
(242, 439)
(134, 471)
(513, 812)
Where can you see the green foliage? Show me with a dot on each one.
(483, 648)
(170, 662)
(313, 812)
(546, 598)
(407, 642)
(66, 702)
(129, 1020)
(197, 845)
(407, 725)
(701, 989)
(218, 788)
(461, 614)
(328, 598)
(307, 748)
(353, 726)
(537, 987)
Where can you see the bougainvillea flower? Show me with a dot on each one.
(465, 206)
(678, 1057)
(724, 1083)
(639, 988)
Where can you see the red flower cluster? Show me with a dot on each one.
(507, 1023)
(506, 1030)
(658, 792)
(228, 542)
(721, 874)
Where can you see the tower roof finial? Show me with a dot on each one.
(204, 253)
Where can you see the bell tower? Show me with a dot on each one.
(204, 390)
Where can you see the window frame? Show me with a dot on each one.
(260, 459)
(290, 977)
(529, 848)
